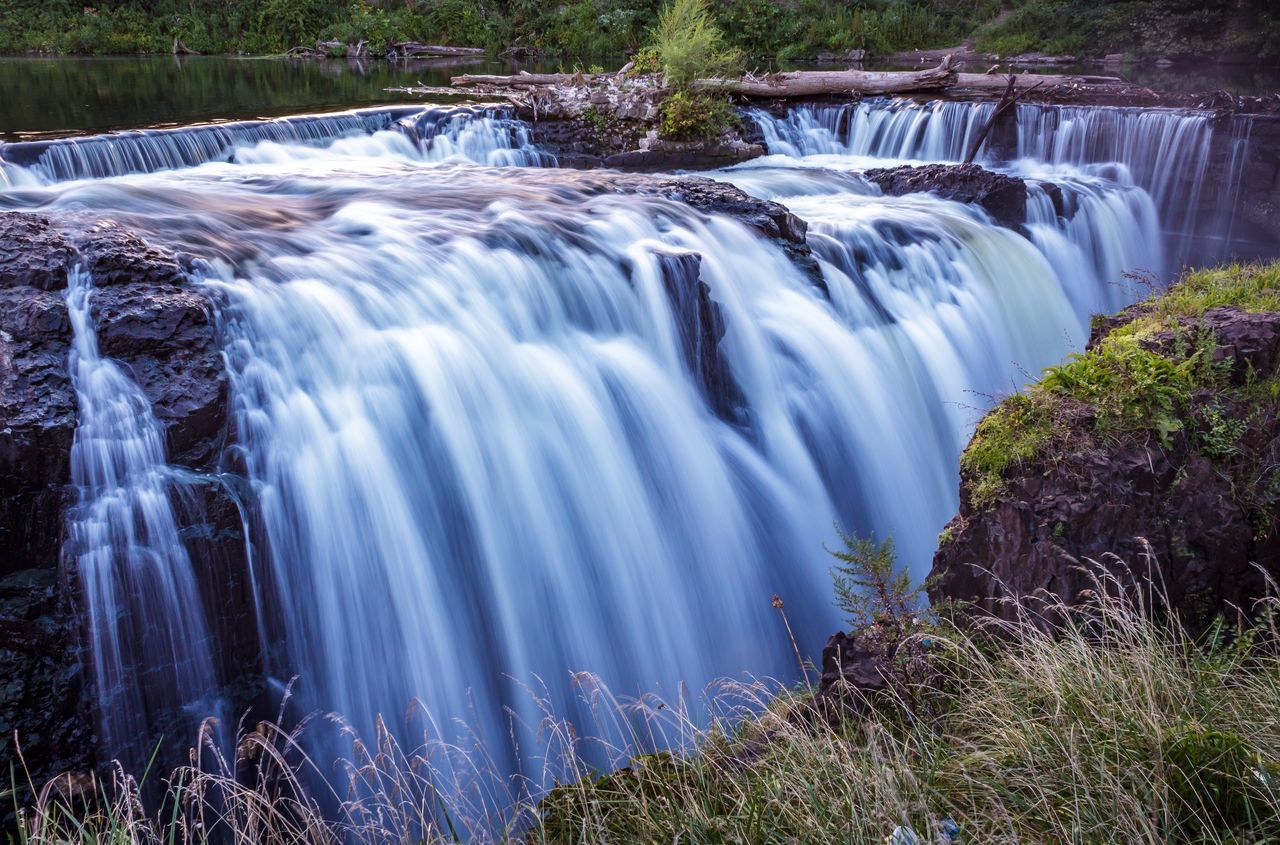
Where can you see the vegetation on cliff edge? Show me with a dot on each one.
(1154, 375)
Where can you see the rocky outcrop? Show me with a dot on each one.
(771, 219)
(1003, 197)
(613, 120)
(627, 144)
(160, 330)
(701, 326)
(1194, 514)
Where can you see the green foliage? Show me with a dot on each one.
(1218, 436)
(1220, 778)
(1140, 28)
(1130, 386)
(1115, 729)
(696, 116)
(1014, 432)
(690, 45)
(586, 28)
(1250, 287)
(870, 588)
(1153, 377)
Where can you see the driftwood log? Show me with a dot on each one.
(410, 49)
(524, 79)
(809, 83)
(812, 83)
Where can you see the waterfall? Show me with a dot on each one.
(484, 135)
(876, 128)
(1165, 152)
(150, 647)
(503, 424)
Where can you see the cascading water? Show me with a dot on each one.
(485, 135)
(877, 128)
(502, 425)
(150, 646)
(1165, 152)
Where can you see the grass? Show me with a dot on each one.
(1117, 729)
(1130, 386)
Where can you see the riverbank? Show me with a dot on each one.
(1167, 30)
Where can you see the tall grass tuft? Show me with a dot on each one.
(1116, 727)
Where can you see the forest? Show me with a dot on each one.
(796, 30)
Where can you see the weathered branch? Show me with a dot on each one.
(982, 82)
(1007, 99)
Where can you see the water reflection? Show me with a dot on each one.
(50, 97)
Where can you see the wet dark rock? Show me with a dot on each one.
(164, 335)
(115, 255)
(1200, 525)
(157, 328)
(1003, 197)
(42, 694)
(771, 219)
(32, 254)
(684, 156)
(701, 327)
(853, 668)
(37, 423)
(623, 135)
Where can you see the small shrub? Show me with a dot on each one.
(1131, 386)
(646, 60)
(871, 589)
(696, 116)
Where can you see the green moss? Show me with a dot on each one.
(1013, 433)
(1132, 387)
(1251, 287)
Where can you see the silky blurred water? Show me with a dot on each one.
(479, 453)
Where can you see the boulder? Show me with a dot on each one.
(1194, 516)
(1003, 197)
(35, 254)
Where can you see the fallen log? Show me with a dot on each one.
(996, 84)
(802, 83)
(814, 83)
(409, 49)
(524, 79)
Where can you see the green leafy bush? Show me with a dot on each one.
(696, 116)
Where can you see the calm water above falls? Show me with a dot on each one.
(478, 453)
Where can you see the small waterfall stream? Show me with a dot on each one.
(151, 649)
